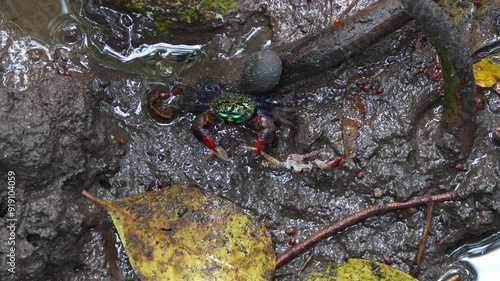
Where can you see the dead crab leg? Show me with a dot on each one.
(329, 165)
(268, 157)
(294, 161)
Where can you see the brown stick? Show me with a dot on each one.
(421, 248)
(334, 44)
(98, 201)
(375, 210)
(315, 53)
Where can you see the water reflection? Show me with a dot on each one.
(34, 17)
(476, 261)
(63, 24)
(39, 37)
(119, 41)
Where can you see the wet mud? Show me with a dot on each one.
(380, 108)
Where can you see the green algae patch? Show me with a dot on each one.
(180, 14)
(221, 7)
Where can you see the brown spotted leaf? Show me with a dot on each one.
(184, 233)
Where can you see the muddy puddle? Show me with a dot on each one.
(76, 79)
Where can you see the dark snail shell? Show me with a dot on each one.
(261, 72)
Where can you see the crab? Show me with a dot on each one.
(213, 106)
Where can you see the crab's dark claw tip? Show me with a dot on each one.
(338, 162)
(260, 146)
(209, 142)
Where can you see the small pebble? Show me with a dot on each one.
(486, 217)
(291, 231)
(160, 184)
(365, 87)
(378, 193)
(121, 140)
(388, 260)
(182, 210)
(379, 91)
(70, 34)
(479, 103)
(460, 165)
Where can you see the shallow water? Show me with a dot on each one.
(476, 261)
(57, 36)
(48, 28)
(37, 18)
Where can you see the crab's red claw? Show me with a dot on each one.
(264, 138)
(268, 133)
(261, 145)
(337, 162)
(201, 127)
(209, 142)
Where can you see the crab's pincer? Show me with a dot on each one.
(268, 133)
(202, 127)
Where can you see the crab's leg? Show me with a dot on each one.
(202, 127)
(268, 133)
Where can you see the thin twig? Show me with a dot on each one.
(421, 248)
(375, 210)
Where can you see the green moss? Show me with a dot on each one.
(166, 13)
(456, 11)
(187, 15)
(221, 6)
(161, 21)
(450, 101)
(209, 17)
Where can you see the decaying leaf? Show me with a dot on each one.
(184, 233)
(358, 103)
(487, 71)
(359, 270)
(350, 133)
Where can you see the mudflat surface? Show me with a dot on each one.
(90, 129)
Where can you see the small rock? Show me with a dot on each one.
(485, 217)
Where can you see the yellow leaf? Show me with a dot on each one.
(359, 270)
(487, 71)
(183, 233)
